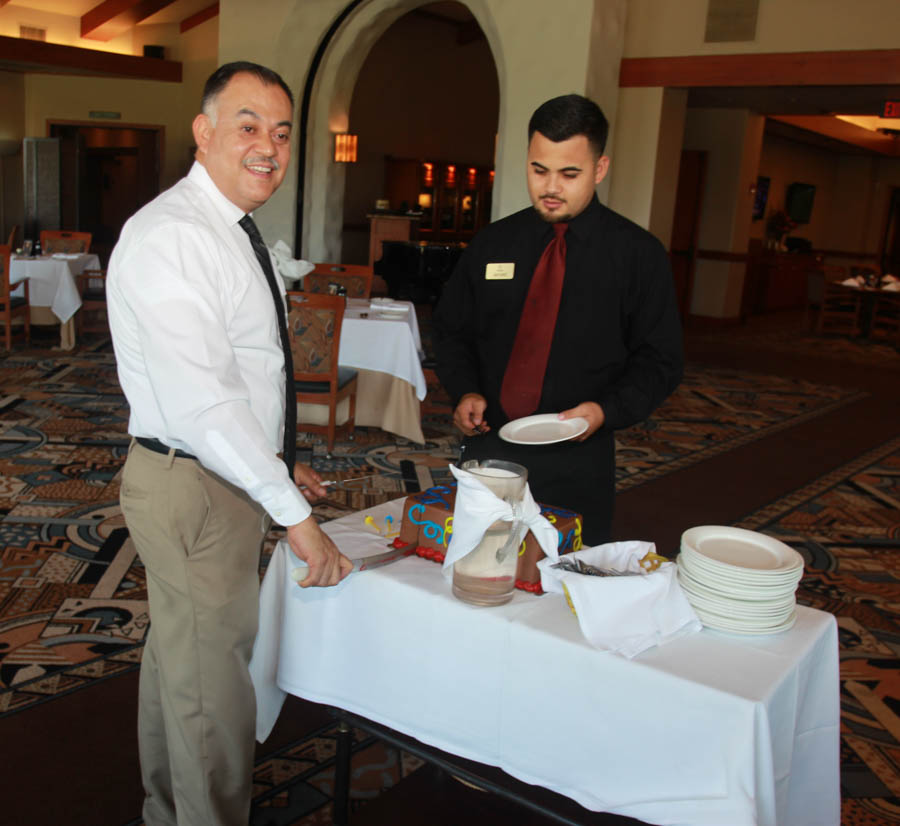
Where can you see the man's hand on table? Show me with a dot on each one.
(309, 482)
(469, 413)
(587, 410)
(327, 565)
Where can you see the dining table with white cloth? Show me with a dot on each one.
(709, 729)
(385, 347)
(51, 284)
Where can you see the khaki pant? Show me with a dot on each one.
(199, 539)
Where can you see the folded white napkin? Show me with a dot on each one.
(887, 278)
(477, 508)
(66, 256)
(289, 268)
(858, 281)
(624, 614)
(892, 286)
(377, 304)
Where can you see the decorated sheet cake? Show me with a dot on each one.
(428, 524)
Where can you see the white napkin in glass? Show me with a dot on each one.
(624, 614)
(477, 508)
(377, 304)
(289, 268)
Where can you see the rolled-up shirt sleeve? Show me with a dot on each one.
(177, 322)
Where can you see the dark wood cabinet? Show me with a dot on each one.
(454, 198)
(776, 280)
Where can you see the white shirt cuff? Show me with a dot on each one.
(288, 508)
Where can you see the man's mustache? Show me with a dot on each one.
(274, 163)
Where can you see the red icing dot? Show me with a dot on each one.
(399, 543)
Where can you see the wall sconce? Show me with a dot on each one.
(345, 148)
(428, 174)
(425, 200)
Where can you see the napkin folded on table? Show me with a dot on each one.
(289, 268)
(477, 508)
(856, 281)
(377, 304)
(887, 278)
(66, 256)
(892, 286)
(624, 614)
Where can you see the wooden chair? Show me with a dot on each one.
(314, 323)
(91, 318)
(886, 318)
(357, 278)
(11, 241)
(62, 240)
(840, 310)
(10, 307)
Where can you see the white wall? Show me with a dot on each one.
(732, 139)
(663, 28)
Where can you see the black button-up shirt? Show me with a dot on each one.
(618, 337)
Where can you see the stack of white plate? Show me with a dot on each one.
(739, 581)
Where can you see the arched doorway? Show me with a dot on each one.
(329, 113)
(426, 93)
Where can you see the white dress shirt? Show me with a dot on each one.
(196, 340)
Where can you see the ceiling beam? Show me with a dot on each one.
(111, 18)
(18, 55)
(200, 17)
(845, 132)
(850, 68)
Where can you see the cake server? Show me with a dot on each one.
(364, 563)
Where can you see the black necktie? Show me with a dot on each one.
(290, 408)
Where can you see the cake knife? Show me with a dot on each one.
(364, 563)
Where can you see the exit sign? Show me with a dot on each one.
(891, 109)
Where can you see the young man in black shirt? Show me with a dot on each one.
(567, 308)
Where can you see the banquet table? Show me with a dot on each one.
(51, 284)
(710, 729)
(386, 350)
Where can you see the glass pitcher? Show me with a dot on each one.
(487, 574)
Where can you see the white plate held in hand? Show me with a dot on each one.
(542, 429)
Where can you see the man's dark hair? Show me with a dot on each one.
(218, 80)
(567, 116)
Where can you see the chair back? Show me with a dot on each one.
(840, 313)
(11, 241)
(355, 278)
(63, 240)
(314, 325)
(5, 287)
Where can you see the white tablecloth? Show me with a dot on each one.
(709, 730)
(51, 281)
(386, 345)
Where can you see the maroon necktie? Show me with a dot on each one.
(524, 377)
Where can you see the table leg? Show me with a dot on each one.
(340, 815)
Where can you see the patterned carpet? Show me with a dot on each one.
(847, 526)
(73, 600)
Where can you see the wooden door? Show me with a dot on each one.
(686, 226)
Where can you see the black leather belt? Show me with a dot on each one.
(158, 447)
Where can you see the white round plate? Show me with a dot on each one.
(728, 578)
(542, 429)
(717, 624)
(737, 548)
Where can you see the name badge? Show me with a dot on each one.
(499, 272)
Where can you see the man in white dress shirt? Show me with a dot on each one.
(201, 361)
